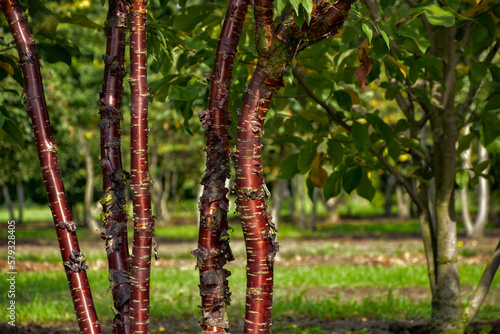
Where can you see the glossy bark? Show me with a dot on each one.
(34, 100)
(276, 50)
(139, 174)
(114, 203)
(213, 250)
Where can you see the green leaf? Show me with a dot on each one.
(2, 120)
(296, 4)
(365, 188)
(79, 20)
(280, 6)
(478, 72)
(368, 31)
(290, 140)
(422, 40)
(310, 189)
(464, 143)
(386, 39)
(332, 186)
(181, 93)
(54, 53)
(343, 99)
(13, 131)
(361, 136)
(490, 136)
(303, 124)
(352, 178)
(289, 167)
(335, 152)
(438, 16)
(412, 144)
(493, 103)
(196, 42)
(381, 127)
(462, 178)
(308, 6)
(306, 157)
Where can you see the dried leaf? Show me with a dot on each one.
(366, 66)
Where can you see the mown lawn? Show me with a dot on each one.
(361, 271)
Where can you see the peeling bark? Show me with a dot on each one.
(139, 174)
(114, 201)
(34, 99)
(213, 243)
(276, 50)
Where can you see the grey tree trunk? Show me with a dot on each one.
(483, 197)
(474, 228)
(446, 310)
(277, 200)
(403, 201)
(302, 202)
(89, 184)
(20, 200)
(8, 201)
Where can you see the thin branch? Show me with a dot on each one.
(474, 88)
(372, 6)
(483, 287)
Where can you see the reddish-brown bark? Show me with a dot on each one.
(139, 174)
(276, 51)
(34, 99)
(114, 203)
(213, 244)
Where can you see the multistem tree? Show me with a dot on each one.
(213, 250)
(114, 202)
(276, 47)
(34, 100)
(139, 174)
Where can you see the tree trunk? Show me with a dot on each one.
(8, 201)
(404, 203)
(139, 172)
(34, 99)
(446, 311)
(390, 184)
(89, 184)
(213, 250)
(20, 200)
(483, 197)
(114, 199)
(302, 202)
(279, 188)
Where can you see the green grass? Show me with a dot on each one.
(44, 297)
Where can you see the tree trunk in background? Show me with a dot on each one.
(34, 100)
(312, 218)
(475, 227)
(302, 202)
(277, 200)
(89, 221)
(8, 201)
(160, 190)
(20, 200)
(292, 199)
(483, 196)
(403, 201)
(389, 190)
(332, 205)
